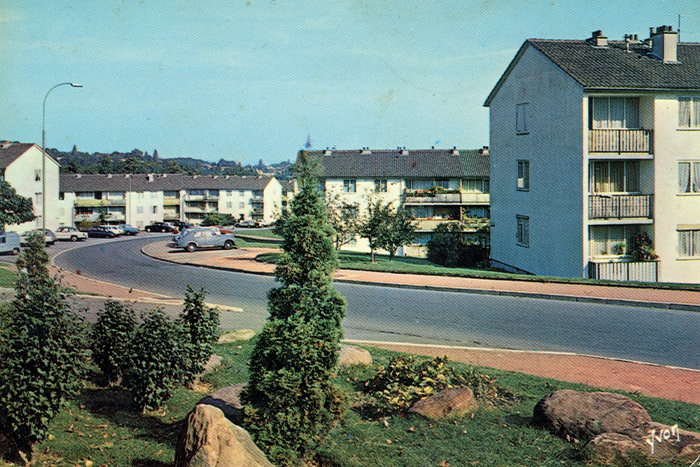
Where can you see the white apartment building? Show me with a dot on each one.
(140, 199)
(435, 185)
(21, 167)
(593, 142)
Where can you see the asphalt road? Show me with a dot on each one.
(651, 335)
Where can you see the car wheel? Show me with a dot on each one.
(147, 229)
(228, 244)
(191, 247)
(73, 238)
(15, 251)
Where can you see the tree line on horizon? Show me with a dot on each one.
(138, 161)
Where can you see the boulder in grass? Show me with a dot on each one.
(351, 355)
(448, 403)
(228, 400)
(208, 439)
(582, 415)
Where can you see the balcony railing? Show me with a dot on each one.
(432, 198)
(638, 271)
(621, 141)
(620, 206)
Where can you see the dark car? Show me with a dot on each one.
(159, 227)
(100, 232)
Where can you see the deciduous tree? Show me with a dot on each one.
(14, 209)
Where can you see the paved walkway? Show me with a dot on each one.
(652, 380)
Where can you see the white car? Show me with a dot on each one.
(70, 233)
(200, 238)
(114, 228)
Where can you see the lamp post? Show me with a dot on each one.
(43, 154)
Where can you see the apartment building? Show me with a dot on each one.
(593, 142)
(140, 199)
(435, 185)
(21, 166)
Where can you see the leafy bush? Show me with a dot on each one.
(158, 360)
(403, 382)
(218, 218)
(450, 247)
(111, 340)
(200, 331)
(641, 248)
(42, 359)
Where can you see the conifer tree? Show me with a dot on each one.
(292, 400)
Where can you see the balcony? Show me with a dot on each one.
(171, 201)
(638, 271)
(620, 206)
(171, 216)
(621, 141)
(427, 197)
(202, 197)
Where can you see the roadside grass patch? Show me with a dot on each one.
(7, 276)
(105, 427)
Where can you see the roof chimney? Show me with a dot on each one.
(664, 44)
(455, 152)
(598, 39)
(484, 151)
(366, 151)
(5, 144)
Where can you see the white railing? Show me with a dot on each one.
(637, 271)
(621, 141)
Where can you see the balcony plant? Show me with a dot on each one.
(619, 248)
(640, 248)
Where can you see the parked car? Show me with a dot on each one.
(201, 238)
(9, 242)
(114, 228)
(128, 230)
(178, 235)
(246, 223)
(70, 233)
(159, 227)
(179, 226)
(49, 236)
(100, 232)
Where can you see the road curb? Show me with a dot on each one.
(503, 293)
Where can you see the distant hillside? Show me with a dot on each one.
(138, 161)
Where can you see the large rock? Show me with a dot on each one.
(351, 355)
(228, 400)
(659, 442)
(581, 415)
(448, 403)
(208, 439)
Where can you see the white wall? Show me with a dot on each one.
(554, 147)
(22, 176)
(671, 209)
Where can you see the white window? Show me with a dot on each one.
(475, 185)
(689, 177)
(115, 195)
(689, 112)
(154, 194)
(37, 175)
(38, 198)
(615, 112)
(689, 243)
(611, 240)
(139, 195)
(523, 175)
(229, 204)
(139, 209)
(614, 177)
(521, 118)
(380, 186)
(155, 209)
(522, 234)
(422, 238)
(171, 194)
(241, 205)
(349, 186)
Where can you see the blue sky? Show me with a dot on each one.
(250, 80)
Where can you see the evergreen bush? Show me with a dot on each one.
(292, 402)
(200, 331)
(449, 247)
(159, 357)
(42, 361)
(111, 338)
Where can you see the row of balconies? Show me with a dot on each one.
(411, 197)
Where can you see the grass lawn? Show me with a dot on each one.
(7, 276)
(411, 265)
(103, 427)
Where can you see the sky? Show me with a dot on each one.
(251, 80)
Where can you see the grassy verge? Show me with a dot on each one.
(410, 265)
(262, 233)
(7, 276)
(103, 427)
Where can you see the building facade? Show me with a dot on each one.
(140, 199)
(435, 185)
(594, 142)
(21, 167)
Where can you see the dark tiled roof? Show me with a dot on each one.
(160, 182)
(9, 154)
(613, 68)
(421, 163)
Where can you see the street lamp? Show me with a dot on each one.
(43, 155)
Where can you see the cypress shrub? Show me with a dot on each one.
(200, 331)
(111, 340)
(292, 402)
